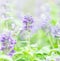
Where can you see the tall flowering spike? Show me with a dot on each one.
(25, 32)
(28, 21)
(7, 44)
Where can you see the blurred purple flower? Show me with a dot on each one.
(55, 31)
(7, 44)
(28, 21)
(27, 27)
(45, 19)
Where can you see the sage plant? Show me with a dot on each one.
(7, 44)
(27, 27)
(28, 20)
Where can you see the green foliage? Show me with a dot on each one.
(36, 48)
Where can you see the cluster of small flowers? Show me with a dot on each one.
(24, 33)
(7, 44)
(28, 20)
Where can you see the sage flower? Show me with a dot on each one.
(28, 20)
(27, 27)
(7, 44)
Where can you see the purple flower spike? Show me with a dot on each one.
(28, 21)
(7, 44)
(28, 25)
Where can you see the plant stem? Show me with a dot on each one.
(51, 41)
